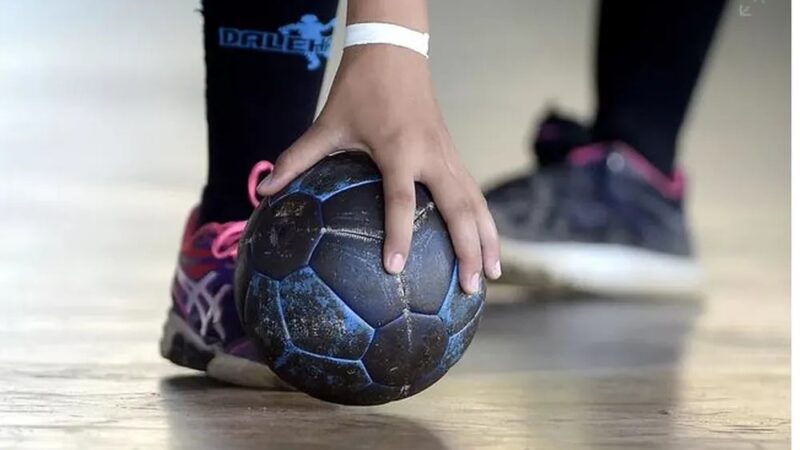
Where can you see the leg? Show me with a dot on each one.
(607, 217)
(649, 56)
(260, 97)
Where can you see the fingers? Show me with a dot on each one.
(398, 191)
(472, 229)
(312, 146)
(457, 210)
(490, 243)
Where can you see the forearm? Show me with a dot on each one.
(408, 13)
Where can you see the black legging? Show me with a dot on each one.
(262, 90)
(649, 55)
(261, 94)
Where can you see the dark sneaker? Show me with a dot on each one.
(598, 218)
(520, 200)
(203, 330)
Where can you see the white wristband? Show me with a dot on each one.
(386, 33)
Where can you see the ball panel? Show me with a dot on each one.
(284, 237)
(295, 187)
(430, 264)
(402, 352)
(459, 342)
(263, 315)
(378, 394)
(318, 321)
(351, 266)
(456, 346)
(330, 379)
(357, 210)
(333, 174)
(458, 307)
(427, 380)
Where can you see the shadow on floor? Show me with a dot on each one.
(531, 363)
(203, 413)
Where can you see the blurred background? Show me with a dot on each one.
(102, 153)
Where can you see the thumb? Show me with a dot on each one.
(306, 151)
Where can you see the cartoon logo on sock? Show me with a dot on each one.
(309, 37)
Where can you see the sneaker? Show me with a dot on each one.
(596, 218)
(203, 330)
(513, 201)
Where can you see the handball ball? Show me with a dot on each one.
(312, 291)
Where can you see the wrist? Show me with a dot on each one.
(371, 33)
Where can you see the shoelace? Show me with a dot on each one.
(227, 241)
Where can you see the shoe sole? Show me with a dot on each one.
(605, 269)
(184, 347)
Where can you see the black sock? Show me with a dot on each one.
(264, 66)
(649, 56)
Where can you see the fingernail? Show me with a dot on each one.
(495, 271)
(396, 263)
(264, 183)
(475, 283)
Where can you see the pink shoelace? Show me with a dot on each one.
(227, 241)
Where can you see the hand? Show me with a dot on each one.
(382, 102)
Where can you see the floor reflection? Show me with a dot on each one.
(620, 359)
(581, 334)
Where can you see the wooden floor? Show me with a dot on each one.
(101, 155)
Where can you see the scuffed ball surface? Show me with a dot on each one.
(312, 291)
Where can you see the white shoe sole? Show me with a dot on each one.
(605, 269)
(183, 346)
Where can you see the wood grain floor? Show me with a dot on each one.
(101, 155)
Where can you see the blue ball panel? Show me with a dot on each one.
(378, 394)
(330, 379)
(406, 349)
(332, 175)
(351, 266)
(430, 262)
(459, 342)
(263, 314)
(459, 308)
(318, 321)
(284, 237)
(357, 210)
(427, 380)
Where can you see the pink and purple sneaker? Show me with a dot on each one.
(203, 330)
